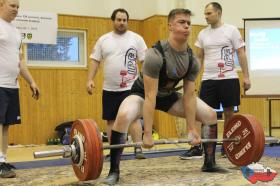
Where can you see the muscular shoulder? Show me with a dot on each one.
(152, 63)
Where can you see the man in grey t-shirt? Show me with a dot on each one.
(164, 66)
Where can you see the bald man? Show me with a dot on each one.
(10, 67)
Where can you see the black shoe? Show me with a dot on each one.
(6, 170)
(138, 153)
(214, 168)
(194, 152)
(211, 166)
(112, 178)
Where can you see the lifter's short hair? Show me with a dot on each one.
(177, 11)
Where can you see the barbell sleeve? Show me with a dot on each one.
(66, 151)
(50, 153)
(271, 140)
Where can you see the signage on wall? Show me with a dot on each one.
(37, 27)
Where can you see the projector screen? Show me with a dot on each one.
(262, 38)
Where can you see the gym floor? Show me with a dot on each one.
(153, 171)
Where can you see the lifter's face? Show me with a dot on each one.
(120, 23)
(9, 9)
(180, 27)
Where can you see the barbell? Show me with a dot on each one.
(243, 141)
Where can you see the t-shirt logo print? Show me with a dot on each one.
(227, 61)
(130, 71)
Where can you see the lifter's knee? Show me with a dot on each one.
(122, 122)
(211, 117)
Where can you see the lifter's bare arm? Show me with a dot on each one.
(151, 89)
(189, 99)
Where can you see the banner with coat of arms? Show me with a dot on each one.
(37, 27)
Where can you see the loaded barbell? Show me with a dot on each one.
(243, 141)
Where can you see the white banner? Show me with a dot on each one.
(37, 27)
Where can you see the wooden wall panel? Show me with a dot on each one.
(153, 29)
(64, 96)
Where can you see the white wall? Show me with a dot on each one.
(139, 9)
(233, 10)
(99, 8)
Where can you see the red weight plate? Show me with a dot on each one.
(254, 120)
(86, 170)
(98, 149)
(244, 152)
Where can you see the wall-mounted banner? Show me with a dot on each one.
(37, 27)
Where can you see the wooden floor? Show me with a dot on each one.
(154, 171)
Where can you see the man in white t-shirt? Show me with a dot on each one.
(217, 45)
(119, 49)
(10, 67)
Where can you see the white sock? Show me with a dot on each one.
(2, 158)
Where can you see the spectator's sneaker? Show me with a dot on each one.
(223, 154)
(112, 178)
(194, 152)
(138, 153)
(6, 170)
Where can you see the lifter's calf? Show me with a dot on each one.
(115, 157)
(209, 165)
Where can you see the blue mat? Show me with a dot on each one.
(42, 163)
(273, 151)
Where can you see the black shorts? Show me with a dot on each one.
(9, 106)
(162, 103)
(226, 92)
(111, 102)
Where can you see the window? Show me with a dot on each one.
(70, 51)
